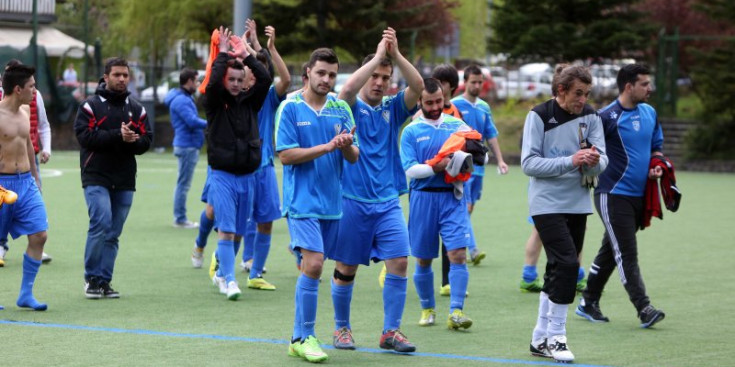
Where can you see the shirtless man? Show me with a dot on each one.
(18, 173)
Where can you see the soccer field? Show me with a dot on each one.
(169, 314)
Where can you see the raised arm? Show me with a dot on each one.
(360, 77)
(413, 77)
(251, 35)
(281, 69)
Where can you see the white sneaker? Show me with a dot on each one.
(233, 291)
(3, 251)
(557, 345)
(245, 265)
(187, 225)
(197, 257)
(46, 258)
(220, 283)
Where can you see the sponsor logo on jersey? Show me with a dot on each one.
(613, 115)
(553, 121)
(303, 123)
(422, 138)
(364, 112)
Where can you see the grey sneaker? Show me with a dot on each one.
(342, 339)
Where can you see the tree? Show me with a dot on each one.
(715, 84)
(355, 26)
(565, 30)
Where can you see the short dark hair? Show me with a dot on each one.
(446, 73)
(472, 70)
(565, 75)
(386, 61)
(115, 61)
(186, 75)
(304, 67)
(12, 62)
(629, 74)
(323, 54)
(16, 75)
(235, 64)
(431, 85)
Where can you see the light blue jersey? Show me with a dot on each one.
(266, 122)
(378, 176)
(421, 141)
(478, 116)
(312, 189)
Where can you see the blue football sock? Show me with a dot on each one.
(423, 280)
(249, 241)
(529, 273)
(580, 275)
(261, 248)
(297, 314)
(341, 299)
(226, 258)
(472, 245)
(205, 227)
(458, 279)
(394, 301)
(236, 248)
(25, 299)
(309, 295)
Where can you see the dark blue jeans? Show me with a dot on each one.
(107, 210)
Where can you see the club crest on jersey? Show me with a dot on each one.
(636, 125)
(337, 128)
(386, 116)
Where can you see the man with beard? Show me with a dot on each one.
(314, 134)
(433, 208)
(188, 139)
(111, 129)
(563, 150)
(633, 136)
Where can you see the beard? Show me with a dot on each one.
(432, 115)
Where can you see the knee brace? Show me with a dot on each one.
(342, 277)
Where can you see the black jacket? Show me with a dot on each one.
(105, 159)
(233, 141)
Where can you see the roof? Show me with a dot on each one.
(55, 41)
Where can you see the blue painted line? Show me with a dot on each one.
(284, 342)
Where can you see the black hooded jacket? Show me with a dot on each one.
(233, 140)
(105, 159)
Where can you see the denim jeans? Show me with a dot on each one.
(188, 158)
(107, 210)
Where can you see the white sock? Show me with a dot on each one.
(539, 332)
(557, 319)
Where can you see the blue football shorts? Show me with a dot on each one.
(267, 205)
(205, 189)
(475, 187)
(434, 214)
(371, 231)
(28, 214)
(231, 196)
(313, 234)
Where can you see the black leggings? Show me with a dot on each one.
(563, 238)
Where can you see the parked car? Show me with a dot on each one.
(521, 85)
(171, 81)
(604, 81)
(78, 93)
(488, 85)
